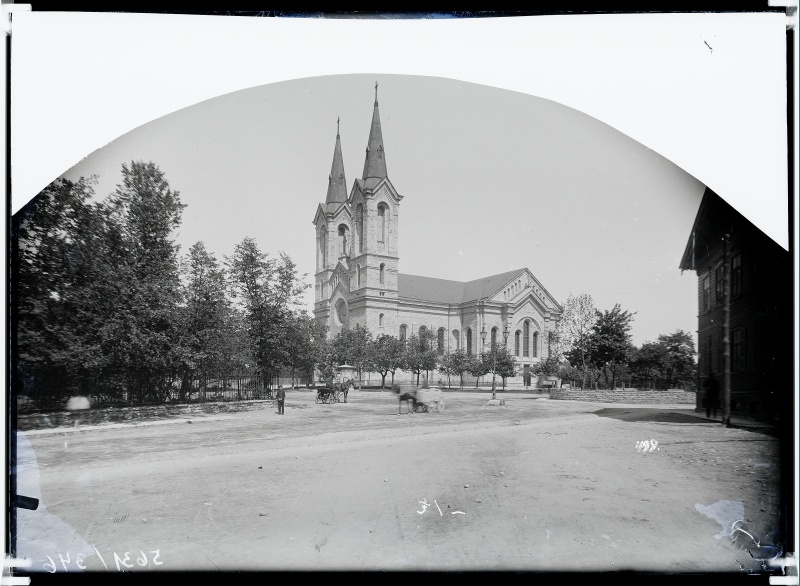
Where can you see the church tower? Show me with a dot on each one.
(357, 243)
(333, 223)
(375, 207)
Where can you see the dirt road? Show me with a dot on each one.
(534, 485)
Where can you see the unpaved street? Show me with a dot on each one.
(535, 485)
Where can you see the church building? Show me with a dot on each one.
(358, 281)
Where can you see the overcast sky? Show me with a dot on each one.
(492, 180)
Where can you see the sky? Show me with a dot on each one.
(491, 179)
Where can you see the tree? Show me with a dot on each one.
(504, 365)
(573, 330)
(679, 364)
(420, 353)
(386, 355)
(456, 363)
(141, 336)
(667, 362)
(301, 334)
(269, 290)
(352, 346)
(477, 367)
(56, 251)
(611, 341)
(206, 317)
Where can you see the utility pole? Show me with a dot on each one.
(726, 333)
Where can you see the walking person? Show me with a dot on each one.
(281, 396)
(712, 395)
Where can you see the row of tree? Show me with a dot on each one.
(104, 304)
(588, 344)
(418, 354)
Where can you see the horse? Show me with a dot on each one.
(343, 388)
(410, 397)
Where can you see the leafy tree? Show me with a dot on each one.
(352, 346)
(269, 290)
(141, 335)
(546, 367)
(56, 249)
(611, 341)
(665, 363)
(478, 368)
(456, 363)
(502, 363)
(420, 353)
(678, 365)
(386, 356)
(574, 330)
(206, 317)
(300, 336)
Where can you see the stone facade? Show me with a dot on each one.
(358, 283)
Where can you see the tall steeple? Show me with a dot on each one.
(337, 184)
(375, 162)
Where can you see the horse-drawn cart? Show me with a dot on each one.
(326, 395)
(335, 393)
(419, 399)
(429, 400)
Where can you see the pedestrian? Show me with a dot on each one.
(712, 395)
(281, 396)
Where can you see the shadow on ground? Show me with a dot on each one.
(661, 416)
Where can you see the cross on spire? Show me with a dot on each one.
(337, 126)
(376, 93)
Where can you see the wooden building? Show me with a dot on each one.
(760, 320)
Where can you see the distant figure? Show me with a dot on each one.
(281, 396)
(712, 395)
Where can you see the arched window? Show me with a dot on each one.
(383, 273)
(494, 339)
(380, 321)
(323, 249)
(535, 344)
(382, 213)
(343, 240)
(469, 342)
(440, 341)
(516, 343)
(457, 338)
(422, 330)
(403, 333)
(358, 276)
(526, 339)
(360, 227)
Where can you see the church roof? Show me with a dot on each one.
(375, 160)
(337, 184)
(454, 292)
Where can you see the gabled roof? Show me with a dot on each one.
(328, 209)
(429, 289)
(715, 218)
(453, 292)
(488, 286)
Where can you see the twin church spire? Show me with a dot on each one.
(374, 161)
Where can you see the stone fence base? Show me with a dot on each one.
(669, 396)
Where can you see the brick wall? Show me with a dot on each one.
(624, 396)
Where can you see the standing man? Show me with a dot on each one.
(712, 395)
(281, 396)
